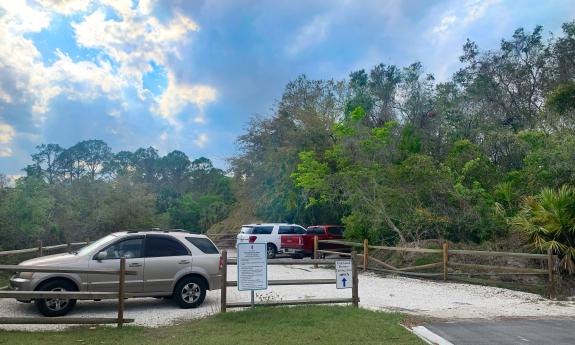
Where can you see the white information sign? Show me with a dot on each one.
(343, 274)
(252, 266)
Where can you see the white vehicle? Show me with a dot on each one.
(270, 234)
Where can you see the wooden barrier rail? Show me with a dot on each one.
(81, 295)
(41, 249)
(445, 262)
(224, 305)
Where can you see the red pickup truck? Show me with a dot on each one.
(302, 245)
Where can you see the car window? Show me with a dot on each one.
(128, 248)
(286, 230)
(247, 230)
(314, 231)
(336, 230)
(203, 244)
(159, 246)
(263, 230)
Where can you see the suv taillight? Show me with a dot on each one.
(253, 239)
(221, 263)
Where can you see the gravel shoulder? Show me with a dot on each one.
(444, 300)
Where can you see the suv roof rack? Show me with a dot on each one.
(155, 229)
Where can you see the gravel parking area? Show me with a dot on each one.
(429, 298)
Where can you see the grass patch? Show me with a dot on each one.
(296, 325)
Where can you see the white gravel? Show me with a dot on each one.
(429, 298)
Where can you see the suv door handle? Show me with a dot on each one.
(184, 262)
(135, 264)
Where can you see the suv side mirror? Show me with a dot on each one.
(101, 256)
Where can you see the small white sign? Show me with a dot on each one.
(343, 274)
(252, 266)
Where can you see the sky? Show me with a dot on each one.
(188, 75)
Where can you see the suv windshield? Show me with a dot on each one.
(90, 247)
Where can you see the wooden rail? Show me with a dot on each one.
(81, 295)
(49, 269)
(292, 302)
(41, 249)
(446, 264)
(292, 282)
(224, 305)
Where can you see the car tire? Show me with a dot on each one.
(53, 307)
(190, 292)
(271, 251)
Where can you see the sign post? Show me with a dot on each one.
(252, 268)
(343, 274)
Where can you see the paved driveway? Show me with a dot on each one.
(508, 332)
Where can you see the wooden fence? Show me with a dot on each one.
(40, 250)
(78, 295)
(353, 300)
(446, 264)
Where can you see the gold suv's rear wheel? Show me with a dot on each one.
(190, 292)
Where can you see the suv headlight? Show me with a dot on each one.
(26, 275)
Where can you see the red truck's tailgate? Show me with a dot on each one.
(292, 241)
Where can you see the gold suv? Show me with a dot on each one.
(168, 263)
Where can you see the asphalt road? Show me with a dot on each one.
(508, 332)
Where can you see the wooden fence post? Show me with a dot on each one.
(365, 254)
(40, 249)
(121, 287)
(315, 247)
(355, 281)
(223, 287)
(445, 259)
(68, 247)
(551, 268)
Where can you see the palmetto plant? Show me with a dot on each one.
(548, 219)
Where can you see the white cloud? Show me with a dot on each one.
(5, 151)
(178, 95)
(455, 22)
(65, 7)
(115, 113)
(445, 24)
(135, 41)
(127, 49)
(23, 18)
(122, 7)
(7, 133)
(201, 140)
(477, 9)
(310, 34)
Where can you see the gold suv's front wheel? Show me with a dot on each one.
(55, 306)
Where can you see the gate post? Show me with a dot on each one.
(315, 253)
(354, 287)
(224, 283)
(40, 249)
(550, 268)
(365, 254)
(445, 259)
(121, 288)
